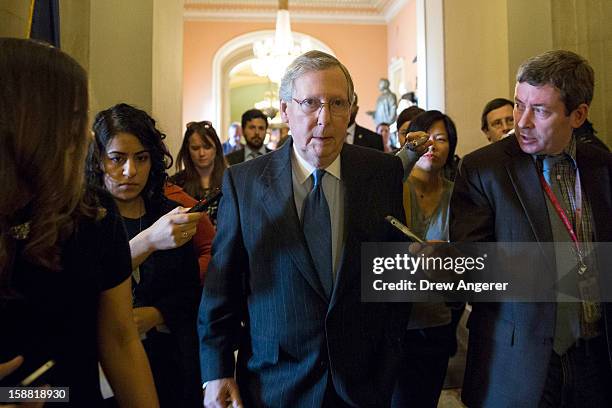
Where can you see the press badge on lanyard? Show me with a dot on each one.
(587, 285)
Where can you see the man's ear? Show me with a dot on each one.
(283, 111)
(484, 132)
(579, 115)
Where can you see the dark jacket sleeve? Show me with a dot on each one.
(222, 307)
(471, 217)
(180, 288)
(170, 279)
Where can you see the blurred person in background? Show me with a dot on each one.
(234, 134)
(403, 122)
(254, 128)
(384, 131)
(497, 119)
(200, 163)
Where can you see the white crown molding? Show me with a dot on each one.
(194, 15)
(346, 4)
(373, 12)
(394, 7)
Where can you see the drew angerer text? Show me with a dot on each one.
(426, 285)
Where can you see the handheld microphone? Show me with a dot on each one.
(403, 229)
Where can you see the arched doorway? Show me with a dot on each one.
(233, 53)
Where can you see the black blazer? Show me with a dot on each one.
(367, 138)
(498, 198)
(238, 156)
(262, 274)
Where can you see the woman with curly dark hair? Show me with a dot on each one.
(200, 163)
(129, 159)
(64, 263)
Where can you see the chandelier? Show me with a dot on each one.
(274, 54)
(270, 105)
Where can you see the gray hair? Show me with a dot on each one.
(570, 73)
(309, 62)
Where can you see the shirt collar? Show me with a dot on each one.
(569, 152)
(351, 129)
(248, 150)
(302, 169)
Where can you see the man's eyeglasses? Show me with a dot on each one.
(499, 123)
(312, 105)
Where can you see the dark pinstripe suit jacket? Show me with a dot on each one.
(262, 274)
(498, 198)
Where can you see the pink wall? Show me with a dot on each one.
(362, 48)
(402, 41)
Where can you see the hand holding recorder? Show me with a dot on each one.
(418, 142)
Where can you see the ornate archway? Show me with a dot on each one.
(231, 54)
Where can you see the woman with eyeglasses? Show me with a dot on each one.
(65, 292)
(200, 163)
(129, 159)
(431, 334)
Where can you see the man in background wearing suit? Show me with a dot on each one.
(515, 190)
(284, 282)
(497, 119)
(360, 136)
(234, 134)
(254, 127)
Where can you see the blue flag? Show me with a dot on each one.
(45, 22)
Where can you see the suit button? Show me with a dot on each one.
(323, 363)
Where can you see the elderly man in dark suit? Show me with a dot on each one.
(283, 285)
(516, 190)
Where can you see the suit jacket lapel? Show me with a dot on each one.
(279, 205)
(526, 182)
(358, 135)
(352, 182)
